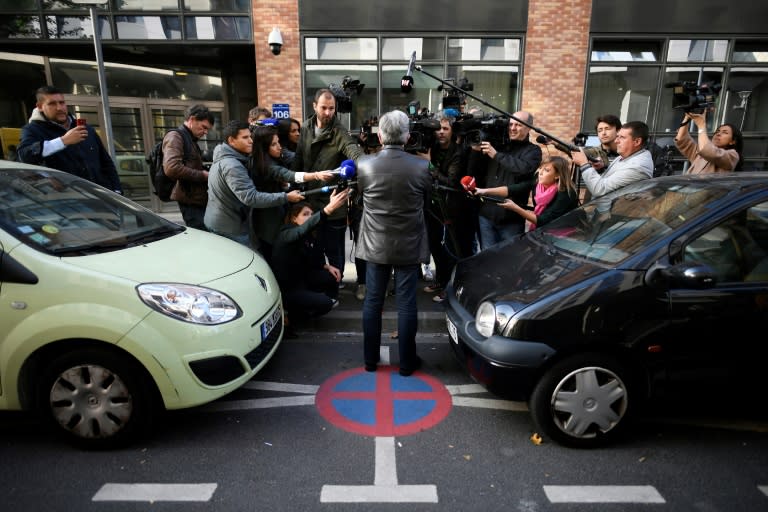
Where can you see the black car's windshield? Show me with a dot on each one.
(610, 228)
(64, 215)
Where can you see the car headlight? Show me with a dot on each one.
(491, 317)
(189, 303)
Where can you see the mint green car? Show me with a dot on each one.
(110, 314)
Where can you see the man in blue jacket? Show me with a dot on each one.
(52, 138)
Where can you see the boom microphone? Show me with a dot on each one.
(541, 139)
(406, 84)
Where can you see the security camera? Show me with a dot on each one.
(275, 41)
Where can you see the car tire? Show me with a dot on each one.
(97, 397)
(583, 401)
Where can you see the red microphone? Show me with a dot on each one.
(469, 184)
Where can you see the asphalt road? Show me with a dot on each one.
(307, 434)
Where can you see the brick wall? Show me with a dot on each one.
(556, 65)
(278, 77)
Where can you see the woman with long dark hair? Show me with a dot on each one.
(269, 175)
(721, 154)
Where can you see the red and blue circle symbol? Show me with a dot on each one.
(383, 403)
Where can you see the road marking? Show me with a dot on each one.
(763, 489)
(385, 488)
(155, 492)
(490, 403)
(281, 386)
(259, 403)
(602, 494)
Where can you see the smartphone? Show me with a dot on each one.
(81, 122)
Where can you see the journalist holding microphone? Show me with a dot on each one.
(395, 186)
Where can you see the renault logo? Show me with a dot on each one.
(459, 291)
(262, 282)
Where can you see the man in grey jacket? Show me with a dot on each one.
(231, 190)
(633, 164)
(395, 187)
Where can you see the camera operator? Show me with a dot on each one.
(323, 144)
(607, 127)
(721, 154)
(511, 167)
(451, 216)
(633, 164)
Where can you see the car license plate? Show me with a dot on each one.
(452, 330)
(270, 323)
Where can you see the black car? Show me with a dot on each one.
(659, 287)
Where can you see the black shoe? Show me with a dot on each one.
(405, 372)
(370, 367)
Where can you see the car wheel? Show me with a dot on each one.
(97, 397)
(582, 401)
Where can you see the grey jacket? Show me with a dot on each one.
(231, 191)
(395, 187)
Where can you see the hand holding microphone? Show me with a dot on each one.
(346, 170)
(470, 185)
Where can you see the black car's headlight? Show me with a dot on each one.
(493, 318)
(190, 303)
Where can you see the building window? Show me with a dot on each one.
(487, 68)
(631, 80)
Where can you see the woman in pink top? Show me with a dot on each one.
(721, 154)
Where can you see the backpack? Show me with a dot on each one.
(162, 184)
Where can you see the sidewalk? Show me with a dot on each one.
(347, 317)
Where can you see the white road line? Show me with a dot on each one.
(259, 403)
(385, 488)
(763, 489)
(281, 386)
(466, 389)
(602, 494)
(155, 492)
(489, 403)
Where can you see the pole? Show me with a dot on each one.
(570, 147)
(102, 84)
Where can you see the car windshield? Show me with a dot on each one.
(64, 215)
(610, 228)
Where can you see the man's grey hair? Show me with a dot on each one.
(393, 128)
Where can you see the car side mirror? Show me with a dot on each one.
(692, 275)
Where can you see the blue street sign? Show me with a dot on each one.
(281, 111)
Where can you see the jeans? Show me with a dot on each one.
(332, 236)
(491, 234)
(377, 280)
(193, 216)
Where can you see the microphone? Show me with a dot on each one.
(541, 139)
(470, 185)
(346, 170)
(327, 189)
(406, 84)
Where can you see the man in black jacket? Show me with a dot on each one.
(395, 186)
(512, 166)
(53, 138)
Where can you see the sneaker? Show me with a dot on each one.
(342, 285)
(439, 298)
(433, 288)
(335, 303)
(360, 292)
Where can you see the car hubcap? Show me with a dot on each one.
(588, 401)
(91, 402)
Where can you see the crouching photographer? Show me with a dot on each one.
(509, 169)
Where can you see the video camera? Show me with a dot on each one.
(453, 97)
(690, 96)
(490, 128)
(422, 128)
(344, 93)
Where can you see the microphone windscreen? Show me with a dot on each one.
(541, 139)
(468, 182)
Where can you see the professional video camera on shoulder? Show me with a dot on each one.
(343, 93)
(422, 128)
(690, 96)
(490, 128)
